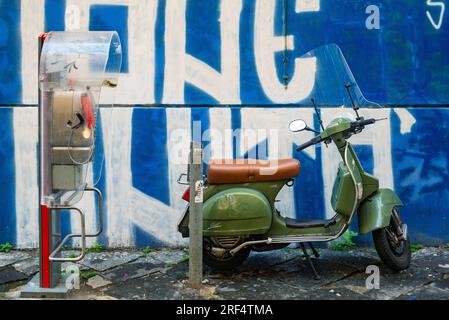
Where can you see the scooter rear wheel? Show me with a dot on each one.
(395, 254)
(224, 263)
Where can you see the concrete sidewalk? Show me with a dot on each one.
(282, 274)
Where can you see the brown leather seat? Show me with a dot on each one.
(251, 170)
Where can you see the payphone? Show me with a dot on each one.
(78, 72)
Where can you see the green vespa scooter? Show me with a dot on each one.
(239, 213)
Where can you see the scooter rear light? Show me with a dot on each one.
(186, 195)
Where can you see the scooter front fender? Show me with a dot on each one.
(375, 211)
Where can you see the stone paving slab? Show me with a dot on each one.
(290, 280)
(102, 261)
(357, 259)
(10, 274)
(432, 258)
(97, 282)
(443, 283)
(272, 258)
(28, 266)
(159, 286)
(427, 292)
(80, 267)
(168, 257)
(8, 258)
(133, 270)
(150, 259)
(281, 274)
(295, 269)
(145, 264)
(422, 272)
(288, 276)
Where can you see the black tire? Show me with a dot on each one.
(224, 263)
(396, 257)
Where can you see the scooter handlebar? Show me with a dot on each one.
(362, 123)
(356, 126)
(309, 143)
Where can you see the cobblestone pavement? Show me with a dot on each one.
(281, 274)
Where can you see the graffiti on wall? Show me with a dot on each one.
(143, 150)
(240, 51)
(234, 55)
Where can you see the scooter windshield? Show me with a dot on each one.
(334, 83)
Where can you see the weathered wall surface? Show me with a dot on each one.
(210, 60)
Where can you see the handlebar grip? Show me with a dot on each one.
(304, 145)
(362, 123)
(309, 143)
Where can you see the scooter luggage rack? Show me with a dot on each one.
(81, 235)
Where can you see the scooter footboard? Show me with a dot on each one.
(375, 211)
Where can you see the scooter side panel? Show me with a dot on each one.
(237, 211)
(375, 212)
(268, 189)
(342, 199)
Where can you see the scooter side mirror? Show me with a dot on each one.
(297, 125)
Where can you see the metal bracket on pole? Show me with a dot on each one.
(82, 235)
(196, 214)
(33, 289)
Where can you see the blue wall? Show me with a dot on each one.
(404, 64)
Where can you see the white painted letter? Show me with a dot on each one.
(265, 46)
(181, 67)
(440, 4)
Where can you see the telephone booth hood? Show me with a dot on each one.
(76, 69)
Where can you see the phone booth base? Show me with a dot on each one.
(33, 288)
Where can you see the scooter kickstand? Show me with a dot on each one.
(317, 277)
(315, 252)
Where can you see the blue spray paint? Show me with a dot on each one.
(236, 124)
(308, 187)
(99, 175)
(7, 178)
(112, 18)
(201, 115)
(403, 63)
(160, 52)
(10, 53)
(149, 160)
(421, 174)
(55, 15)
(149, 157)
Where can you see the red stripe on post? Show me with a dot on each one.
(43, 36)
(45, 246)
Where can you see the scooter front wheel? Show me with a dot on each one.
(395, 253)
(224, 262)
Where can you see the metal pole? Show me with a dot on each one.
(196, 214)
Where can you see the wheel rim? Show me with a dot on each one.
(208, 247)
(396, 246)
